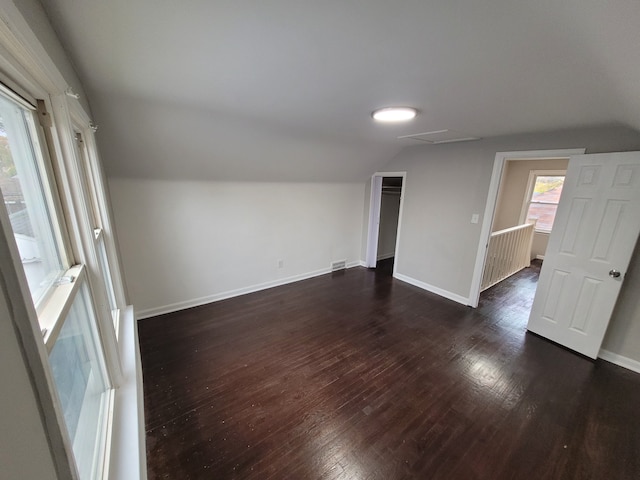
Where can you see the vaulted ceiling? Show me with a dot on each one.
(284, 89)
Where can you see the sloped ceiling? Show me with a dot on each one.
(284, 89)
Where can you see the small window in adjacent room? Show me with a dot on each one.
(543, 196)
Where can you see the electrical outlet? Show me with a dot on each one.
(475, 218)
(280, 263)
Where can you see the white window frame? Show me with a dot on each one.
(49, 187)
(27, 69)
(92, 182)
(50, 313)
(531, 182)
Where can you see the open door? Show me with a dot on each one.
(594, 235)
(393, 181)
(374, 221)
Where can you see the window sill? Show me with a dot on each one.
(128, 451)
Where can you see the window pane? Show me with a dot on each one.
(547, 189)
(544, 213)
(81, 382)
(104, 269)
(25, 200)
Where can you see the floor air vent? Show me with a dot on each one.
(338, 265)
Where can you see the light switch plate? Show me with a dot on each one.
(475, 218)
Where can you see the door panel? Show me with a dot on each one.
(595, 232)
(374, 221)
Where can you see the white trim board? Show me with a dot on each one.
(621, 361)
(128, 455)
(430, 288)
(196, 302)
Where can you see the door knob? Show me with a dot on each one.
(614, 273)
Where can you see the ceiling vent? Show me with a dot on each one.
(439, 136)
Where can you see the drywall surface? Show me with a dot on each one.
(37, 19)
(171, 141)
(539, 245)
(448, 183)
(388, 229)
(184, 243)
(623, 335)
(512, 192)
(24, 449)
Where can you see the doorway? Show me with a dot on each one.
(385, 213)
(494, 198)
(528, 197)
(525, 209)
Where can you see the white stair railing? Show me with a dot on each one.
(509, 251)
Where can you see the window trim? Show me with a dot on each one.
(96, 175)
(74, 195)
(33, 73)
(49, 191)
(533, 175)
(25, 320)
(52, 316)
(51, 310)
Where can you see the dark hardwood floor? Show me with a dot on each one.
(355, 375)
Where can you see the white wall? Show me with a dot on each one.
(623, 335)
(38, 21)
(387, 233)
(185, 243)
(24, 449)
(446, 184)
(168, 140)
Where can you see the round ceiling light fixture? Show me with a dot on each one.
(394, 114)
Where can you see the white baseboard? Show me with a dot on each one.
(430, 288)
(384, 256)
(174, 307)
(539, 257)
(362, 263)
(619, 360)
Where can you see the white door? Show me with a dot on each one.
(594, 234)
(374, 221)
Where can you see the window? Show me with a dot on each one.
(90, 178)
(26, 198)
(82, 383)
(66, 268)
(543, 196)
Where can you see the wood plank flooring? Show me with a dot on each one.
(356, 375)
